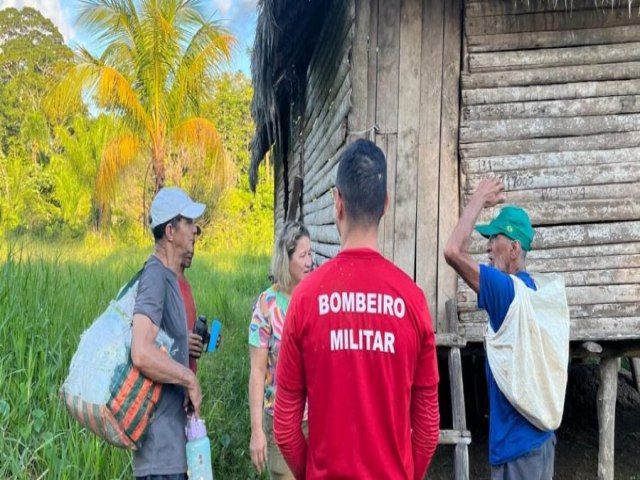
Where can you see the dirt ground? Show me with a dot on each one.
(577, 448)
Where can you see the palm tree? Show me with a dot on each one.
(75, 164)
(159, 59)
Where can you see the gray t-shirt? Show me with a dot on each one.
(163, 448)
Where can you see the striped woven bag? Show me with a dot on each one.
(104, 391)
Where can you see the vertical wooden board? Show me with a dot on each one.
(404, 244)
(357, 119)
(387, 106)
(294, 163)
(429, 151)
(372, 88)
(372, 64)
(606, 401)
(465, 61)
(448, 204)
(461, 467)
(294, 156)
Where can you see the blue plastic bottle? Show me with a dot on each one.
(216, 326)
(198, 450)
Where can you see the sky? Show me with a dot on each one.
(238, 15)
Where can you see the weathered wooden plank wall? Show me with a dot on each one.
(387, 44)
(449, 200)
(550, 104)
(316, 130)
(327, 102)
(387, 70)
(408, 147)
(405, 70)
(429, 151)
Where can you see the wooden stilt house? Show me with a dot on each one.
(545, 94)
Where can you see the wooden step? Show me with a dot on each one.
(454, 437)
(450, 340)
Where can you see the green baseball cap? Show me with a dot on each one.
(512, 222)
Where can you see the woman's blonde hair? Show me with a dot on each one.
(286, 244)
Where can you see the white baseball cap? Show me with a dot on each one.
(170, 202)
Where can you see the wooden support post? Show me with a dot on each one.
(294, 199)
(459, 436)
(607, 416)
(634, 363)
(452, 321)
(461, 467)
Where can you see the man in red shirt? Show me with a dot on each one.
(195, 341)
(358, 345)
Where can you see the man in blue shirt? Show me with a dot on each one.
(517, 449)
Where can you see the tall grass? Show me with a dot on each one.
(46, 302)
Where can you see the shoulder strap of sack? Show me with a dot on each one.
(517, 282)
(129, 284)
(132, 281)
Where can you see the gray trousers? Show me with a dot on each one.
(179, 476)
(534, 465)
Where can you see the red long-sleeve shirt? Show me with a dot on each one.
(358, 344)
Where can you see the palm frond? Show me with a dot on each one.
(117, 155)
(115, 92)
(108, 21)
(158, 51)
(85, 57)
(65, 97)
(208, 51)
(201, 134)
(121, 54)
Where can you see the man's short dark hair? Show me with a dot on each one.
(158, 231)
(362, 182)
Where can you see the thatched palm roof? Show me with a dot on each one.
(285, 33)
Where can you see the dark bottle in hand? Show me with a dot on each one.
(201, 328)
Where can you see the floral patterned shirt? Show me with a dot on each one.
(265, 331)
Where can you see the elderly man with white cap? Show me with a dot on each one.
(159, 305)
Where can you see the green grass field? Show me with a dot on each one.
(48, 299)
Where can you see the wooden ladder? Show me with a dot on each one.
(459, 435)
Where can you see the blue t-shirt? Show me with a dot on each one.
(510, 434)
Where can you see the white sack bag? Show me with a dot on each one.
(529, 353)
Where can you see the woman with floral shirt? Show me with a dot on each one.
(290, 264)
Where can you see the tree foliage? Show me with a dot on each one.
(242, 217)
(32, 57)
(80, 144)
(155, 73)
(51, 158)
